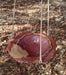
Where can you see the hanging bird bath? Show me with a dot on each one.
(26, 47)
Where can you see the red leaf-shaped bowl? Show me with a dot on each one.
(26, 47)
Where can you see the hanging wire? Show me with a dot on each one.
(41, 33)
(48, 28)
(26, 12)
(13, 19)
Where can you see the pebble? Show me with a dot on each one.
(59, 47)
(47, 73)
(63, 42)
(58, 67)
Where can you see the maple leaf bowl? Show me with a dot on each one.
(25, 48)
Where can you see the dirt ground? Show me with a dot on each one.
(27, 18)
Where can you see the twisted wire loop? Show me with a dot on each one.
(13, 19)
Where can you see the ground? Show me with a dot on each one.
(27, 18)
